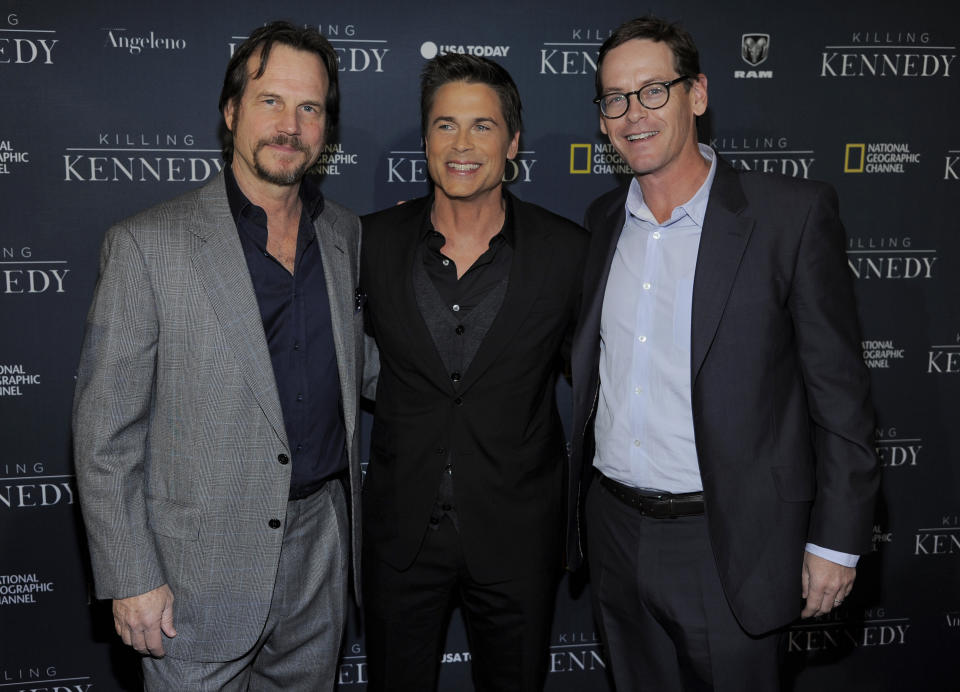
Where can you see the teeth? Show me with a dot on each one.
(464, 166)
(642, 135)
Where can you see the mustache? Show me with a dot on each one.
(284, 141)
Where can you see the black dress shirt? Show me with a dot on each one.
(296, 320)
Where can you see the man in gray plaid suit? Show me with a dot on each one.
(215, 420)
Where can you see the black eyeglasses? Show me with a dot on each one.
(651, 96)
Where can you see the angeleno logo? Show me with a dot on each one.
(134, 43)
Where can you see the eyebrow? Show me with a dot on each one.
(451, 119)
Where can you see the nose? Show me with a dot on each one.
(635, 110)
(288, 121)
(463, 141)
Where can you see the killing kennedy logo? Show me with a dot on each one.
(576, 651)
(22, 46)
(944, 359)
(140, 157)
(878, 157)
(42, 678)
(574, 56)
(888, 54)
(889, 258)
(951, 170)
(136, 42)
(354, 54)
(840, 629)
(940, 539)
(895, 451)
(26, 486)
(765, 154)
(22, 273)
(754, 50)
(410, 166)
(353, 667)
(10, 156)
(430, 49)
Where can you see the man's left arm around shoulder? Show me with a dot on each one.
(838, 398)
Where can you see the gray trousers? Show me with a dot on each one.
(299, 647)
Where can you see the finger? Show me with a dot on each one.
(804, 582)
(137, 641)
(153, 642)
(166, 621)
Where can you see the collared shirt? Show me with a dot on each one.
(644, 423)
(295, 310)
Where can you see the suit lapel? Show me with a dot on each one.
(223, 272)
(531, 253)
(338, 272)
(722, 243)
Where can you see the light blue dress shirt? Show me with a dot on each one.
(644, 422)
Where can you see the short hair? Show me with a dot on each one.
(457, 67)
(262, 40)
(686, 58)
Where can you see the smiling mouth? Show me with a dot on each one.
(642, 136)
(464, 167)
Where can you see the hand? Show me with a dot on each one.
(824, 583)
(139, 620)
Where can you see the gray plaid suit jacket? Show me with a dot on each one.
(177, 421)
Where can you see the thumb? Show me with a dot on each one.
(805, 580)
(166, 620)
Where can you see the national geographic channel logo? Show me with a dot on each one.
(20, 46)
(10, 156)
(942, 539)
(889, 258)
(135, 43)
(14, 378)
(879, 354)
(332, 158)
(887, 54)
(880, 537)
(22, 589)
(430, 50)
(410, 166)
(141, 157)
(354, 54)
(599, 159)
(944, 359)
(878, 157)
(838, 630)
(21, 273)
(765, 154)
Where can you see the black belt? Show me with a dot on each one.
(305, 491)
(655, 504)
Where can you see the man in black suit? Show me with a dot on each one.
(471, 295)
(720, 400)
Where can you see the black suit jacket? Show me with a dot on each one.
(781, 412)
(501, 423)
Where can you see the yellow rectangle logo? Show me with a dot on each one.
(857, 152)
(585, 156)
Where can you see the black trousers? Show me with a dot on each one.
(664, 620)
(406, 614)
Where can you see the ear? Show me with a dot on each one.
(603, 126)
(514, 146)
(229, 111)
(698, 94)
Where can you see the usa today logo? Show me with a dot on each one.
(430, 50)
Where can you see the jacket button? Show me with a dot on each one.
(274, 523)
(455, 376)
(283, 459)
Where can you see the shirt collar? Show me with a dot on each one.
(310, 196)
(695, 207)
(507, 231)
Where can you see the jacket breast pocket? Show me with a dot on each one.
(172, 519)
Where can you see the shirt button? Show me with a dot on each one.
(458, 401)
(446, 263)
(456, 308)
(642, 339)
(274, 523)
(439, 450)
(434, 521)
(637, 390)
(455, 376)
(299, 397)
(636, 443)
(283, 459)
(447, 507)
(459, 330)
(296, 345)
(646, 285)
(656, 235)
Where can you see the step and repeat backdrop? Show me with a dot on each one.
(108, 107)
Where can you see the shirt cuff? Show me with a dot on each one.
(845, 559)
